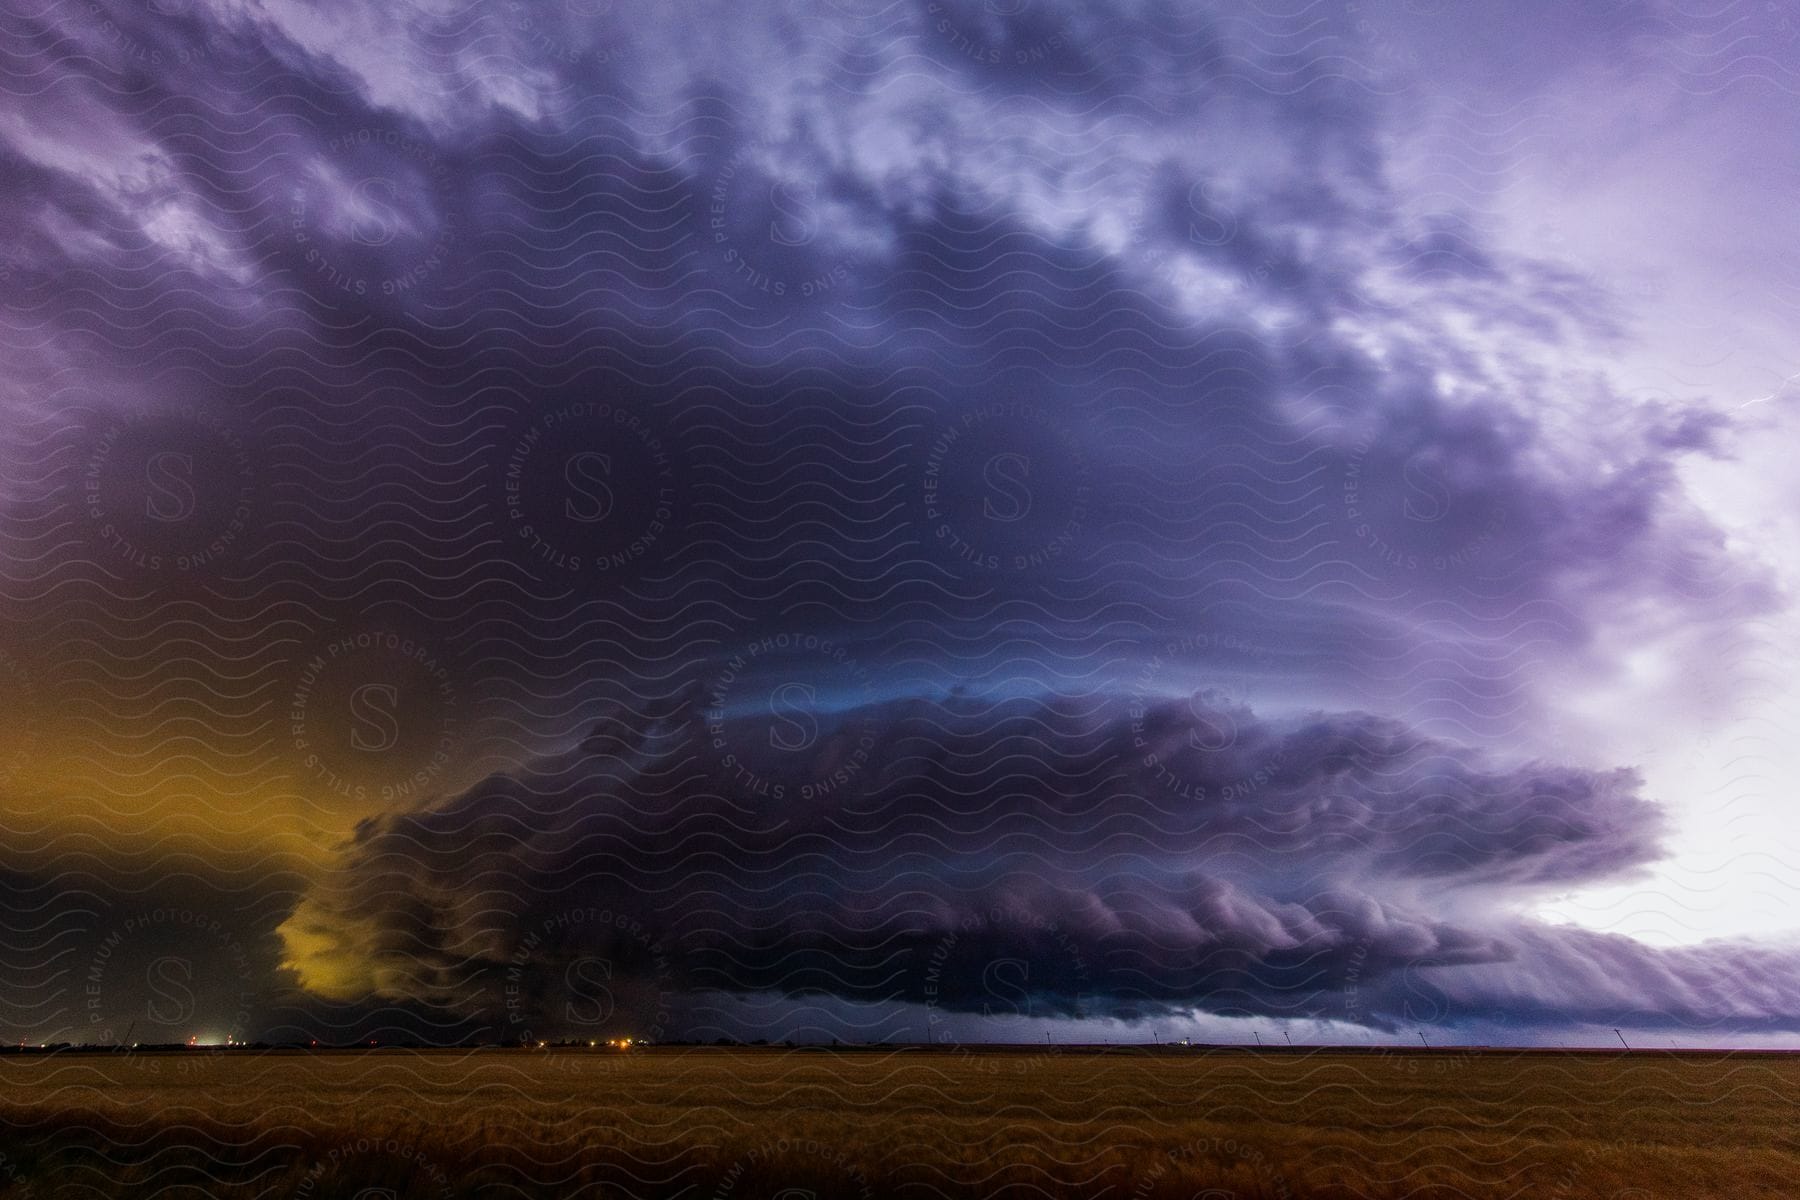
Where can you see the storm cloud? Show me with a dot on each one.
(1116, 490)
(1066, 861)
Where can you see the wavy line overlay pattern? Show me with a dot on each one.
(912, 523)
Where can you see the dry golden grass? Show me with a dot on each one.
(750, 1124)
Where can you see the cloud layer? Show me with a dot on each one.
(1019, 858)
(1090, 488)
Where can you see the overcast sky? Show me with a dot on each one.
(931, 520)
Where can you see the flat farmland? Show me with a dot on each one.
(756, 1124)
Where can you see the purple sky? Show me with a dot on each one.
(944, 519)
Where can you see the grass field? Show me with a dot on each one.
(752, 1125)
